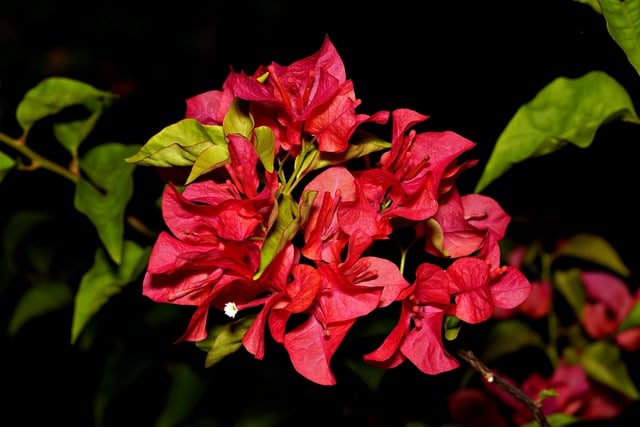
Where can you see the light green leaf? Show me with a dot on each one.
(509, 336)
(265, 146)
(103, 281)
(290, 216)
(367, 145)
(569, 284)
(602, 362)
(103, 198)
(53, 95)
(565, 111)
(185, 392)
(237, 121)
(595, 249)
(623, 23)
(6, 164)
(37, 301)
(224, 340)
(633, 318)
(452, 326)
(211, 158)
(178, 144)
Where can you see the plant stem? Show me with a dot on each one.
(493, 378)
(36, 159)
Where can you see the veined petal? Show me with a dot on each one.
(311, 347)
(423, 346)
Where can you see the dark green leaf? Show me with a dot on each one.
(224, 340)
(602, 362)
(104, 198)
(633, 318)
(104, 280)
(185, 392)
(595, 249)
(509, 336)
(6, 164)
(71, 134)
(569, 284)
(122, 369)
(37, 301)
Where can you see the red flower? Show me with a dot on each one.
(349, 290)
(470, 407)
(418, 334)
(576, 395)
(214, 240)
(476, 291)
(536, 306)
(310, 95)
(291, 288)
(609, 302)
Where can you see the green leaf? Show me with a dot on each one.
(265, 142)
(595, 249)
(290, 216)
(224, 340)
(16, 229)
(211, 158)
(237, 121)
(179, 144)
(367, 145)
(452, 326)
(623, 24)
(122, 368)
(565, 111)
(53, 95)
(185, 392)
(570, 285)
(71, 134)
(6, 164)
(633, 318)
(602, 362)
(103, 281)
(37, 301)
(370, 375)
(509, 336)
(266, 412)
(555, 420)
(593, 4)
(104, 198)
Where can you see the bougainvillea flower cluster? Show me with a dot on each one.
(289, 200)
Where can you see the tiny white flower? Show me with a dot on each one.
(230, 309)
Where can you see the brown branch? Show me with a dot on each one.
(493, 378)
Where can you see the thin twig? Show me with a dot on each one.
(493, 378)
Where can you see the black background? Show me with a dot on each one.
(467, 64)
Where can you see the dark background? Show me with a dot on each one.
(467, 64)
